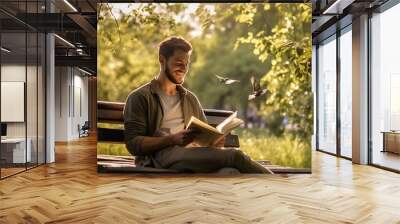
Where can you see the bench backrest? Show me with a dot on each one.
(112, 112)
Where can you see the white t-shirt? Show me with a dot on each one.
(173, 116)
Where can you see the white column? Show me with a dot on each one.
(50, 93)
(360, 90)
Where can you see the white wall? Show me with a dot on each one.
(61, 103)
(80, 100)
(71, 93)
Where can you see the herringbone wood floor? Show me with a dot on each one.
(71, 191)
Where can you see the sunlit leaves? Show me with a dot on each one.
(127, 62)
(288, 48)
(247, 13)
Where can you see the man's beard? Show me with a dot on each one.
(170, 76)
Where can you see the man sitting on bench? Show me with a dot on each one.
(155, 115)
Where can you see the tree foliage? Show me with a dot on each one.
(288, 49)
(269, 41)
(127, 46)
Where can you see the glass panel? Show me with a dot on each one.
(327, 96)
(22, 78)
(31, 85)
(31, 97)
(17, 9)
(13, 85)
(385, 86)
(346, 93)
(17, 6)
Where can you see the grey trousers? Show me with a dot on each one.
(206, 160)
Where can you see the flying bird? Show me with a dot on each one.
(225, 80)
(257, 91)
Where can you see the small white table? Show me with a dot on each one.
(18, 155)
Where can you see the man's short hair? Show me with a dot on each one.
(168, 46)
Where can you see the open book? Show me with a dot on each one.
(208, 135)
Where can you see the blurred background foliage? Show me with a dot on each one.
(271, 42)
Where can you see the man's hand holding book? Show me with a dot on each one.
(208, 136)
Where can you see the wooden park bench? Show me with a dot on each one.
(112, 113)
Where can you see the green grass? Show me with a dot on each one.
(285, 151)
(257, 143)
(112, 149)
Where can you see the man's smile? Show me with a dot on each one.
(180, 73)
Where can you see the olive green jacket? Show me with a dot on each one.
(143, 116)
